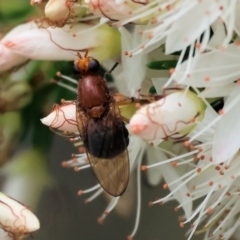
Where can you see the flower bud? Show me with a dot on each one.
(63, 10)
(62, 118)
(175, 113)
(53, 43)
(16, 218)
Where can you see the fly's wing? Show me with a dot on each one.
(112, 174)
(106, 140)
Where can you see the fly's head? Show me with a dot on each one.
(86, 65)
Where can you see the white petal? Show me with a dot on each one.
(134, 69)
(219, 34)
(198, 19)
(226, 140)
(215, 68)
(221, 91)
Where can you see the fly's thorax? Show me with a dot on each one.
(93, 95)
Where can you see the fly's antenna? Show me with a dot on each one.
(86, 53)
(111, 70)
(79, 55)
(114, 66)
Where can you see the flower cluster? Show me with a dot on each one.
(179, 68)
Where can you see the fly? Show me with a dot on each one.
(101, 128)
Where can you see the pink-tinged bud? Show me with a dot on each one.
(64, 44)
(62, 118)
(175, 113)
(61, 11)
(15, 218)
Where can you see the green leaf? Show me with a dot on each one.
(162, 65)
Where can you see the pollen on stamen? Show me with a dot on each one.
(126, 53)
(129, 237)
(81, 150)
(221, 112)
(210, 183)
(221, 172)
(65, 164)
(199, 170)
(171, 70)
(137, 105)
(150, 204)
(106, 212)
(198, 45)
(165, 186)
(181, 224)
(238, 81)
(176, 209)
(209, 211)
(80, 193)
(143, 167)
(188, 194)
(59, 74)
(100, 221)
(76, 169)
(186, 143)
(174, 163)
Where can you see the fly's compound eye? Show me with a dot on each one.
(93, 65)
(76, 69)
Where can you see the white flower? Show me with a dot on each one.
(173, 114)
(168, 21)
(16, 218)
(30, 42)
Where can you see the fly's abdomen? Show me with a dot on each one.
(105, 138)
